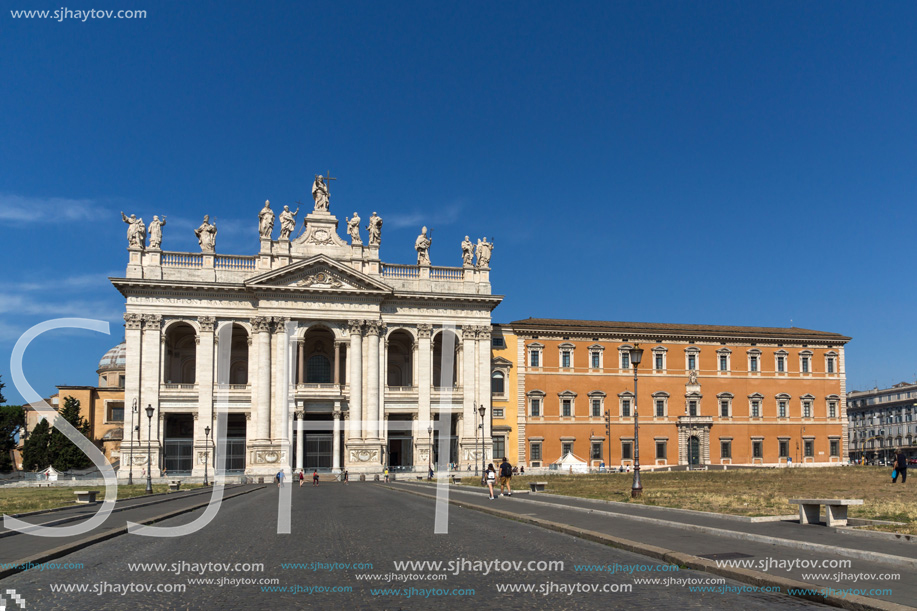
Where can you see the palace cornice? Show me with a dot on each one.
(492, 300)
(130, 287)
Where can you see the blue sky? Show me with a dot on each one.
(699, 162)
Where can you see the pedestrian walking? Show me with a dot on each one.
(490, 475)
(900, 467)
(280, 479)
(346, 477)
(386, 475)
(315, 478)
(302, 478)
(430, 473)
(506, 474)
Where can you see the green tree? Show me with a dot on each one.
(35, 450)
(12, 421)
(2, 398)
(63, 453)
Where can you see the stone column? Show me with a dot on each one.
(132, 337)
(470, 439)
(262, 328)
(372, 374)
(280, 403)
(301, 361)
(300, 441)
(355, 360)
(336, 440)
(424, 379)
(203, 375)
(150, 367)
(162, 360)
(483, 393)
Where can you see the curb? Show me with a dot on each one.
(887, 559)
(130, 498)
(68, 548)
(10, 533)
(853, 602)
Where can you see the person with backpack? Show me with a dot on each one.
(315, 478)
(506, 474)
(301, 478)
(490, 475)
(900, 467)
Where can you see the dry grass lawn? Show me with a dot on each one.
(21, 500)
(750, 492)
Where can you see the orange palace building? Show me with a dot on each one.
(707, 395)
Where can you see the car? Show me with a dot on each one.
(912, 461)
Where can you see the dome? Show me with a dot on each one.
(114, 358)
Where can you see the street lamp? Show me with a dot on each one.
(206, 451)
(482, 410)
(149, 454)
(608, 438)
(473, 410)
(430, 454)
(636, 491)
(134, 427)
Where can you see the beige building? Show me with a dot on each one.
(312, 353)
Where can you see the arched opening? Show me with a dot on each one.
(497, 383)
(400, 359)
(238, 360)
(318, 357)
(180, 354)
(445, 359)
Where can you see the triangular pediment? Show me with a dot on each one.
(501, 362)
(318, 273)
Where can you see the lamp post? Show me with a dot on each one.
(430, 455)
(206, 451)
(130, 468)
(482, 410)
(474, 408)
(636, 491)
(149, 451)
(608, 438)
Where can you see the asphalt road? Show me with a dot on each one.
(339, 527)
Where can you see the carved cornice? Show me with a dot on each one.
(373, 327)
(355, 326)
(280, 323)
(133, 322)
(484, 332)
(469, 332)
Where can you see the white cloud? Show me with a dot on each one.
(20, 209)
(436, 216)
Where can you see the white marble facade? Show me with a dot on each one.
(310, 329)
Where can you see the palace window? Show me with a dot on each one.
(782, 408)
(661, 450)
(805, 361)
(625, 407)
(659, 358)
(809, 448)
(499, 446)
(115, 411)
(781, 361)
(835, 445)
(724, 408)
(497, 383)
(806, 408)
(596, 450)
(692, 407)
(535, 354)
(566, 448)
(691, 358)
(829, 364)
(757, 451)
(625, 360)
(596, 358)
(832, 409)
(497, 341)
(535, 450)
(498, 413)
(784, 448)
(755, 408)
(596, 408)
(627, 450)
(754, 359)
(725, 449)
(567, 408)
(565, 359)
(318, 369)
(723, 355)
(660, 408)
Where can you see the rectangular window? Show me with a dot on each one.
(809, 448)
(781, 364)
(116, 411)
(835, 447)
(830, 367)
(781, 409)
(565, 358)
(536, 451)
(784, 448)
(692, 407)
(806, 409)
(725, 449)
(596, 408)
(536, 407)
(498, 413)
(724, 408)
(534, 358)
(625, 408)
(659, 361)
(832, 409)
(756, 449)
(627, 450)
(596, 450)
(500, 446)
(566, 448)
(753, 363)
(660, 408)
(660, 450)
(498, 342)
(625, 360)
(566, 407)
(724, 363)
(805, 364)
(755, 409)
(595, 360)
(692, 361)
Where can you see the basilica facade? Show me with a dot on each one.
(312, 353)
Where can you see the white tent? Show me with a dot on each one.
(570, 464)
(51, 474)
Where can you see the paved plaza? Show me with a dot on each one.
(345, 551)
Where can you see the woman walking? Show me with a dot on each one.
(490, 476)
(302, 478)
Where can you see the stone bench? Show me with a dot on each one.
(86, 496)
(537, 486)
(835, 510)
(174, 484)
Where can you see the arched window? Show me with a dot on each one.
(497, 383)
(318, 369)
